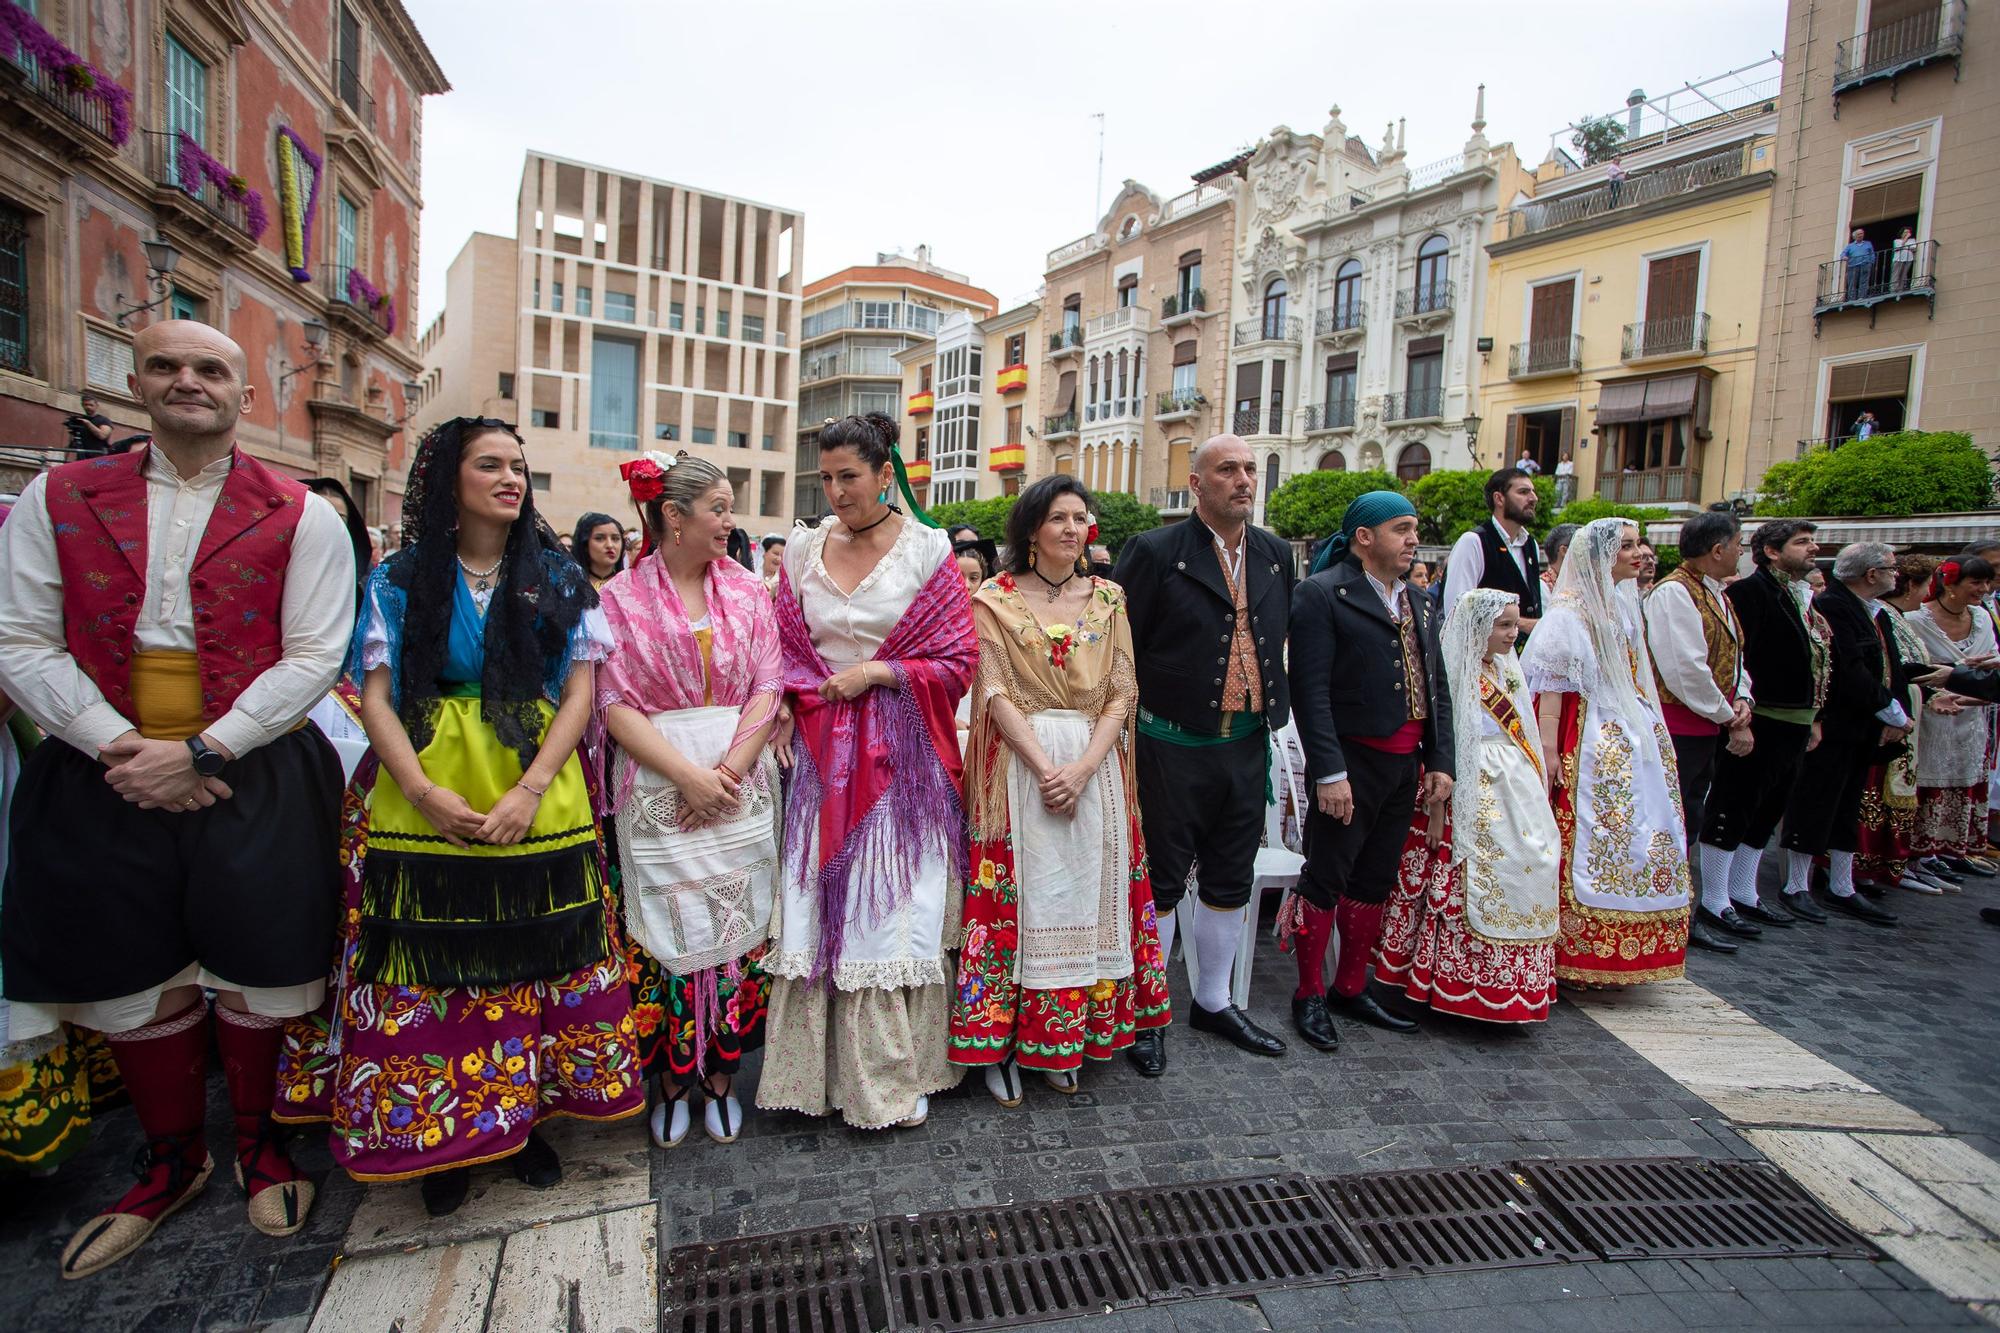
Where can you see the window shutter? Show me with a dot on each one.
(1190, 258)
(1513, 440)
(1887, 378)
(1887, 199)
(1342, 361)
(1431, 346)
(1177, 464)
(1249, 380)
(1187, 353)
(1568, 440)
(1550, 309)
(1066, 393)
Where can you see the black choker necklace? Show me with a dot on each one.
(853, 531)
(1055, 588)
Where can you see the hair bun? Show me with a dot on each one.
(885, 426)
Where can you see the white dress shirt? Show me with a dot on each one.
(316, 613)
(1893, 715)
(1678, 638)
(1468, 562)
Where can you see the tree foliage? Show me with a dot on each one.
(1581, 512)
(987, 517)
(1597, 137)
(1908, 472)
(1121, 517)
(1311, 503)
(1450, 504)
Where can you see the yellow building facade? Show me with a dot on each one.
(1623, 299)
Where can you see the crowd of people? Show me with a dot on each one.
(506, 828)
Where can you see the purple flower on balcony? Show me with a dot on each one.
(19, 31)
(197, 169)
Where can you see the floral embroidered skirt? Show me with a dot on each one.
(1887, 837)
(47, 1098)
(1430, 952)
(1951, 821)
(993, 1016)
(663, 1016)
(420, 1079)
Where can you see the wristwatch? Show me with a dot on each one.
(206, 761)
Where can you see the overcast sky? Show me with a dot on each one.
(968, 126)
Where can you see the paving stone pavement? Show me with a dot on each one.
(1886, 1005)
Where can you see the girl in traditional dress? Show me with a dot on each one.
(1887, 838)
(598, 544)
(479, 987)
(876, 632)
(690, 697)
(1061, 954)
(1471, 926)
(1624, 880)
(1952, 759)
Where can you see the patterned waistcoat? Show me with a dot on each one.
(1242, 683)
(1413, 659)
(1720, 630)
(97, 508)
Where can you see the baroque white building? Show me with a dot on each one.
(1359, 288)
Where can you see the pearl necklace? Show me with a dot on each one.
(482, 580)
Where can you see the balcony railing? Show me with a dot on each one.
(1172, 404)
(1244, 421)
(1116, 321)
(1066, 338)
(1429, 299)
(1677, 335)
(1416, 405)
(1184, 304)
(1271, 328)
(1199, 197)
(1336, 415)
(205, 197)
(354, 94)
(879, 362)
(900, 317)
(1895, 273)
(1076, 249)
(1674, 485)
(1342, 316)
(342, 293)
(1937, 33)
(36, 80)
(1544, 356)
(1171, 501)
(1055, 426)
(1639, 188)
(1113, 409)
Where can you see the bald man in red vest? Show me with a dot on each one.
(173, 614)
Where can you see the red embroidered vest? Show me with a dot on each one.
(97, 508)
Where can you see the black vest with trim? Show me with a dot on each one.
(1504, 574)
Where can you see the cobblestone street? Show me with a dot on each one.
(1904, 1010)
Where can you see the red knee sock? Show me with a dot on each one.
(1360, 927)
(1309, 949)
(249, 1045)
(165, 1068)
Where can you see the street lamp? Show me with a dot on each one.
(162, 258)
(315, 336)
(1471, 424)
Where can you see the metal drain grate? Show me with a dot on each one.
(1236, 1235)
(1436, 1221)
(991, 1267)
(814, 1281)
(1690, 1208)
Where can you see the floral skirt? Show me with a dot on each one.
(670, 1041)
(1429, 951)
(1951, 821)
(47, 1099)
(1887, 837)
(993, 1016)
(417, 1079)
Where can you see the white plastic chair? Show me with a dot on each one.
(1277, 866)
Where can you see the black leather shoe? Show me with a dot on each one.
(1960, 866)
(1770, 916)
(537, 1165)
(1364, 1008)
(1314, 1024)
(1234, 1024)
(1856, 906)
(1990, 915)
(1938, 868)
(1803, 908)
(444, 1191)
(1728, 922)
(1148, 1053)
(1870, 889)
(1701, 937)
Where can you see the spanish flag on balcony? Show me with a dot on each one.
(1008, 458)
(1011, 379)
(922, 403)
(919, 472)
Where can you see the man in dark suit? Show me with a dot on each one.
(1375, 717)
(1208, 599)
(1862, 714)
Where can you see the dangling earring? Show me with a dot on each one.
(882, 499)
(1031, 557)
(677, 536)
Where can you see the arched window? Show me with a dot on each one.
(1433, 291)
(1332, 461)
(1413, 462)
(1347, 295)
(1270, 474)
(1275, 301)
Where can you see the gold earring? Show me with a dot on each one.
(1031, 557)
(677, 536)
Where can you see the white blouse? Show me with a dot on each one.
(851, 627)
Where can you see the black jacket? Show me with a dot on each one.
(1975, 683)
(1861, 647)
(1183, 616)
(1347, 670)
(1776, 650)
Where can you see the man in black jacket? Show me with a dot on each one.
(1208, 600)
(1862, 714)
(1786, 660)
(1374, 714)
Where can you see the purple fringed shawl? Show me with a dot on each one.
(880, 774)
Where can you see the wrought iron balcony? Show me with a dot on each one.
(1544, 356)
(1674, 485)
(1059, 427)
(1342, 316)
(346, 297)
(1937, 33)
(1066, 340)
(1641, 187)
(1416, 405)
(1271, 328)
(1244, 422)
(1177, 404)
(353, 94)
(200, 204)
(1677, 335)
(76, 116)
(1183, 306)
(1896, 273)
(1336, 415)
(1429, 299)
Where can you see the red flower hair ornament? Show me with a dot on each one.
(646, 478)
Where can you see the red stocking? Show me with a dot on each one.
(249, 1044)
(1360, 927)
(165, 1067)
(1309, 949)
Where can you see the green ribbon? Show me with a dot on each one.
(1173, 733)
(910, 496)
